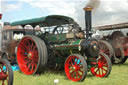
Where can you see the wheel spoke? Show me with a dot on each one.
(32, 45)
(97, 70)
(76, 62)
(73, 74)
(35, 66)
(26, 47)
(34, 48)
(78, 74)
(101, 46)
(32, 67)
(73, 60)
(106, 51)
(25, 58)
(72, 63)
(27, 62)
(3, 82)
(104, 69)
(104, 65)
(71, 71)
(69, 65)
(29, 65)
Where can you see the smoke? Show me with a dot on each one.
(93, 3)
(80, 14)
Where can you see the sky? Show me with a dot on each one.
(108, 11)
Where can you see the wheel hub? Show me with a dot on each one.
(30, 55)
(76, 68)
(100, 65)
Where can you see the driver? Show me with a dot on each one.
(80, 35)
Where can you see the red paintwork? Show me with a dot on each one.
(0, 16)
(3, 76)
(101, 69)
(27, 56)
(73, 70)
(126, 52)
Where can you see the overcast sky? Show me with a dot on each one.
(108, 12)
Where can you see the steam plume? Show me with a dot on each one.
(93, 3)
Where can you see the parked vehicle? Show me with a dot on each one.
(115, 45)
(61, 44)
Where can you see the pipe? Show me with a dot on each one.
(88, 22)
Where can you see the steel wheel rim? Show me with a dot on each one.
(74, 68)
(3, 73)
(104, 49)
(100, 69)
(27, 56)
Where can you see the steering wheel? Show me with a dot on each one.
(58, 30)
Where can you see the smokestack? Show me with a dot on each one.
(88, 22)
(92, 4)
(0, 16)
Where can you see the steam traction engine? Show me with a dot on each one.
(115, 45)
(6, 73)
(58, 46)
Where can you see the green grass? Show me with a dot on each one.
(118, 76)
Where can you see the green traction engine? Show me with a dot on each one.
(61, 44)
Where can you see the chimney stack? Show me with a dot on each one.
(88, 22)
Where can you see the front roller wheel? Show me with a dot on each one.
(102, 67)
(32, 55)
(76, 67)
(6, 73)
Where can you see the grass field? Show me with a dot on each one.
(118, 76)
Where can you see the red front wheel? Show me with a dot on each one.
(76, 67)
(103, 66)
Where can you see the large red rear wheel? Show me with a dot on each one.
(32, 55)
(6, 73)
(76, 67)
(102, 67)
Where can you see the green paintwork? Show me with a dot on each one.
(56, 38)
(50, 20)
(68, 46)
(62, 44)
